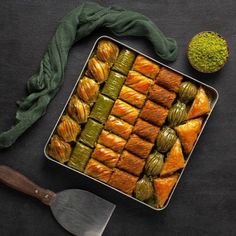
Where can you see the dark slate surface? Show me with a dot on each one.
(204, 201)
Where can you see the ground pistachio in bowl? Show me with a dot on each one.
(208, 52)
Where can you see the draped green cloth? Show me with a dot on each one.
(79, 23)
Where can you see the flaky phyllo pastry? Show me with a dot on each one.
(68, 129)
(174, 160)
(125, 111)
(132, 97)
(163, 187)
(87, 90)
(118, 127)
(115, 142)
(105, 155)
(200, 106)
(131, 163)
(99, 70)
(146, 67)
(124, 61)
(107, 51)
(138, 82)
(97, 170)
(78, 109)
(188, 133)
(123, 181)
(59, 150)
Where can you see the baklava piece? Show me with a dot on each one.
(132, 97)
(146, 67)
(154, 164)
(123, 181)
(87, 90)
(68, 129)
(78, 110)
(118, 127)
(165, 139)
(161, 96)
(112, 141)
(138, 146)
(187, 91)
(124, 61)
(80, 156)
(138, 82)
(98, 170)
(146, 130)
(99, 70)
(177, 114)
(163, 188)
(58, 149)
(107, 51)
(105, 155)
(154, 113)
(90, 133)
(188, 133)
(200, 106)
(101, 108)
(174, 160)
(131, 163)
(169, 79)
(144, 189)
(125, 111)
(113, 85)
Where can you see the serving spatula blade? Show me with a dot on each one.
(81, 212)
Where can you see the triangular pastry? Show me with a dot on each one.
(174, 160)
(200, 106)
(163, 187)
(188, 133)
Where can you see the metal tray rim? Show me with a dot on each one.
(160, 63)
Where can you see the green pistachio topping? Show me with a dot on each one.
(208, 52)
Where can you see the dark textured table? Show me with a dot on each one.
(204, 201)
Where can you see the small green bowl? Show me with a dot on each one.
(208, 52)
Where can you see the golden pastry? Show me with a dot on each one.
(174, 160)
(138, 146)
(146, 67)
(169, 79)
(154, 113)
(78, 110)
(200, 106)
(123, 181)
(146, 130)
(98, 69)
(163, 188)
(131, 163)
(107, 51)
(138, 82)
(105, 155)
(87, 90)
(68, 129)
(188, 133)
(161, 95)
(59, 150)
(98, 170)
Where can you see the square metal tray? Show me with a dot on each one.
(210, 91)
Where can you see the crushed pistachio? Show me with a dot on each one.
(208, 52)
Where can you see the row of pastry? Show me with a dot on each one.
(152, 117)
(64, 141)
(112, 161)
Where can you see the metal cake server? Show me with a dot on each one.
(80, 212)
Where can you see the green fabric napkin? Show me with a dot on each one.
(80, 22)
